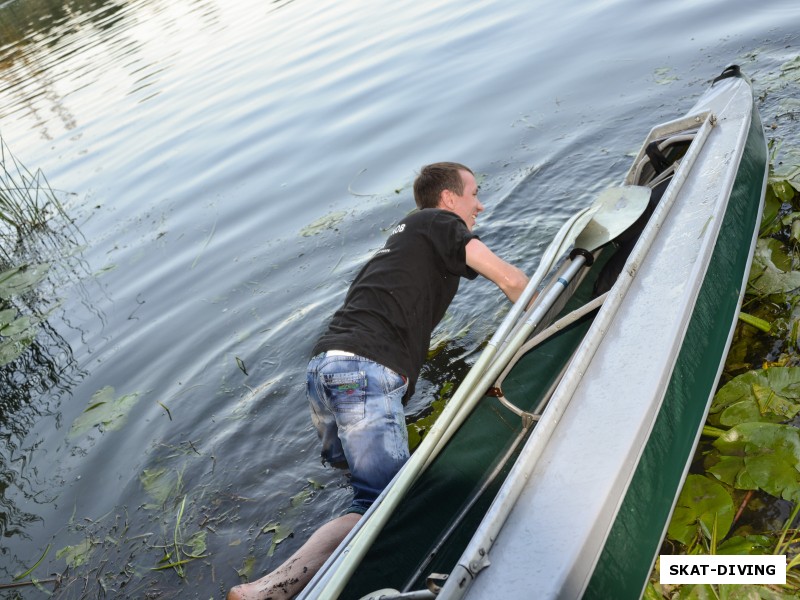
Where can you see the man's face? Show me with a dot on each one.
(467, 206)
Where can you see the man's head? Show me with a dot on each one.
(450, 186)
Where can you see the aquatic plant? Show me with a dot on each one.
(748, 461)
(27, 203)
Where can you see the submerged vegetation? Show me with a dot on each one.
(743, 493)
(26, 205)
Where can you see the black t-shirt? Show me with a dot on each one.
(402, 293)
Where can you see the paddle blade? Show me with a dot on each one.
(617, 209)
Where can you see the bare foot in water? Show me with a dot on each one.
(258, 591)
(292, 576)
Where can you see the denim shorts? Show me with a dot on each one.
(357, 408)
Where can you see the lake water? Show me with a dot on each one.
(228, 166)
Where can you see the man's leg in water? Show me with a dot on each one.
(293, 575)
(357, 409)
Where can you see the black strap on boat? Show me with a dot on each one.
(731, 71)
(588, 256)
(657, 159)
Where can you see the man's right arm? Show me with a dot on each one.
(508, 278)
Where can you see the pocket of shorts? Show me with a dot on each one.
(394, 382)
(347, 392)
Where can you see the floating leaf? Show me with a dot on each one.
(788, 169)
(17, 326)
(197, 544)
(76, 555)
(21, 279)
(772, 271)
(18, 334)
(762, 456)
(702, 503)
(663, 76)
(751, 592)
(11, 349)
(300, 497)
(161, 484)
(791, 69)
(7, 316)
(418, 429)
(766, 395)
(279, 533)
(104, 411)
(783, 190)
(769, 220)
(247, 567)
(327, 222)
(701, 591)
(750, 544)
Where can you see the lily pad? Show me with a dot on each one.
(17, 334)
(765, 395)
(749, 544)
(783, 190)
(702, 503)
(12, 348)
(772, 270)
(21, 279)
(104, 412)
(763, 456)
(788, 168)
(7, 316)
(791, 69)
(770, 223)
(752, 592)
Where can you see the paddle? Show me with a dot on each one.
(612, 213)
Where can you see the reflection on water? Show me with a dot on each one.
(32, 34)
(39, 254)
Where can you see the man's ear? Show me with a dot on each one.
(446, 199)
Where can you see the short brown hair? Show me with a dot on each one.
(433, 179)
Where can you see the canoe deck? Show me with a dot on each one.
(563, 477)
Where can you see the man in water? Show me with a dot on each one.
(366, 364)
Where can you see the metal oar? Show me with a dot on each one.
(613, 212)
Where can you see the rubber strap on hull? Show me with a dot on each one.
(731, 71)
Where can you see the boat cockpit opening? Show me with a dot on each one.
(658, 163)
(530, 366)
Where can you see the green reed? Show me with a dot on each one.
(27, 202)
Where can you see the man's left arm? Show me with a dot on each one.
(508, 278)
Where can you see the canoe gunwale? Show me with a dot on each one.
(563, 559)
(745, 134)
(477, 551)
(574, 559)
